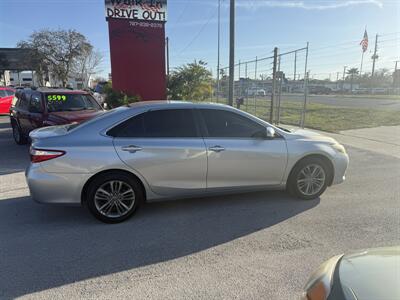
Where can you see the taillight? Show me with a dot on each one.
(39, 155)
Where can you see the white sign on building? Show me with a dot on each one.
(145, 10)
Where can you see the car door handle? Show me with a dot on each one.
(216, 148)
(131, 148)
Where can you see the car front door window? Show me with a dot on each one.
(238, 153)
(225, 124)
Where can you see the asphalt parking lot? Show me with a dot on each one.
(248, 246)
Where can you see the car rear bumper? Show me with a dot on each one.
(54, 188)
(340, 163)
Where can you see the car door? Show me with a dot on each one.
(239, 153)
(22, 113)
(5, 102)
(35, 109)
(165, 147)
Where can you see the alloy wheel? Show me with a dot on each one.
(311, 179)
(114, 198)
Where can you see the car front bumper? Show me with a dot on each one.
(340, 164)
(54, 188)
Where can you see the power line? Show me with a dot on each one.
(199, 32)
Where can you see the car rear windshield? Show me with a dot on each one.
(70, 102)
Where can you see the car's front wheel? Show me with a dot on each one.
(114, 197)
(309, 178)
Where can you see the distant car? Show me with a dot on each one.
(367, 274)
(160, 149)
(98, 92)
(319, 90)
(256, 92)
(42, 107)
(379, 91)
(6, 98)
(361, 91)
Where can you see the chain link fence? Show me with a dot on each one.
(271, 88)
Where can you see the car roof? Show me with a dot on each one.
(60, 90)
(6, 88)
(176, 103)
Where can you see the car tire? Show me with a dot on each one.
(18, 136)
(309, 178)
(123, 193)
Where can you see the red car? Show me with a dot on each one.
(6, 97)
(46, 107)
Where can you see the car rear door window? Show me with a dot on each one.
(35, 105)
(24, 102)
(3, 93)
(171, 123)
(226, 124)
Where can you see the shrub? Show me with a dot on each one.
(115, 98)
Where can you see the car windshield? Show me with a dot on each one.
(70, 102)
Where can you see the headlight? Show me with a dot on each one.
(339, 148)
(319, 285)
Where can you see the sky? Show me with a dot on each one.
(333, 28)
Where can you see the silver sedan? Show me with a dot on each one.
(166, 149)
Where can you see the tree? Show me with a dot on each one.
(57, 51)
(190, 82)
(352, 72)
(87, 64)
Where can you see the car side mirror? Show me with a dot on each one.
(270, 133)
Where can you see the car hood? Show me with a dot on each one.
(63, 117)
(303, 134)
(371, 274)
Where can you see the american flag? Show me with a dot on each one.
(364, 41)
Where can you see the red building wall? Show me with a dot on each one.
(137, 50)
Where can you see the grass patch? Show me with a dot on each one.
(324, 117)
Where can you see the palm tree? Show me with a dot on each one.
(352, 72)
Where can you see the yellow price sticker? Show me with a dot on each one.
(57, 98)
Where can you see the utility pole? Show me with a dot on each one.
(303, 115)
(246, 85)
(231, 51)
(271, 110)
(375, 56)
(255, 69)
(240, 82)
(167, 46)
(306, 76)
(218, 51)
(394, 74)
(344, 73)
(278, 104)
(295, 65)
(337, 80)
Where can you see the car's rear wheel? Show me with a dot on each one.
(309, 178)
(114, 197)
(18, 136)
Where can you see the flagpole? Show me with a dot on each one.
(362, 55)
(362, 60)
